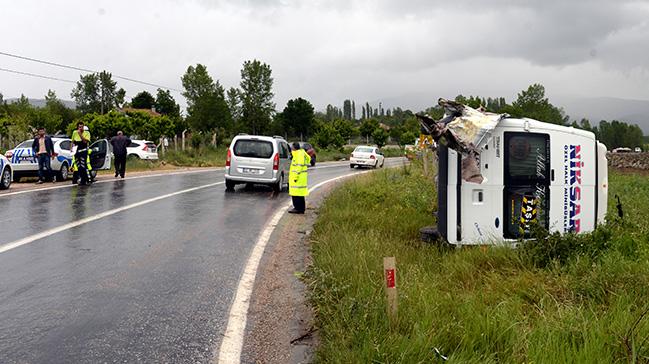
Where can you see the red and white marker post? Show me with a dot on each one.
(390, 274)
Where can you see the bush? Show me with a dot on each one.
(328, 137)
(380, 136)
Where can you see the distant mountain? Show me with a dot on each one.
(607, 108)
(41, 102)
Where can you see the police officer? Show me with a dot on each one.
(297, 184)
(81, 139)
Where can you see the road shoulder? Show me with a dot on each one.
(280, 320)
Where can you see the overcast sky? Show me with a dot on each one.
(327, 51)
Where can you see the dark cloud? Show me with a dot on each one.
(330, 50)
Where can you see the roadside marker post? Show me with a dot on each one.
(390, 275)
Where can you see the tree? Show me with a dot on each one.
(380, 136)
(353, 110)
(328, 137)
(96, 92)
(619, 134)
(298, 117)
(165, 104)
(257, 105)
(368, 127)
(234, 104)
(347, 110)
(120, 97)
(107, 92)
(532, 103)
(206, 107)
(345, 128)
(86, 94)
(408, 137)
(143, 100)
(56, 107)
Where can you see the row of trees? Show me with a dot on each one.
(19, 119)
(533, 103)
(214, 113)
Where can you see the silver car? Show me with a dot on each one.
(259, 160)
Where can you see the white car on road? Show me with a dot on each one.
(367, 156)
(6, 174)
(24, 162)
(142, 149)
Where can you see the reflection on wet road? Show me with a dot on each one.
(152, 283)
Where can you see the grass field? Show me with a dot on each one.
(566, 299)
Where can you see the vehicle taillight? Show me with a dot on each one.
(372, 156)
(228, 158)
(145, 148)
(9, 154)
(276, 162)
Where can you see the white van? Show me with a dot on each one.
(534, 171)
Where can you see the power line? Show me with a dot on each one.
(85, 70)
(36, 75)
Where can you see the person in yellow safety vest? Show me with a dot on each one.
(81, 140)
(297, 179)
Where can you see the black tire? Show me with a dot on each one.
(382, 163)
(62, 174)
(352, 166)
(279, 186)
(376, 164)
(313, 161)
(229, 185)
(5, 179)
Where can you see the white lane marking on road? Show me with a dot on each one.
(111, 180)
(230, 350)
(30, 239)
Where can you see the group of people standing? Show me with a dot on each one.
(43, 149)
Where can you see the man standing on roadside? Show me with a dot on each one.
(120, 143)
(298, 181)
(44, 151)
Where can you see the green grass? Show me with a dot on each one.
(567, 299)
(204, 157)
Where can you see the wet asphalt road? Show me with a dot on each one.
(150, 284)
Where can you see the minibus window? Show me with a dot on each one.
(527, 183)
(527, 157)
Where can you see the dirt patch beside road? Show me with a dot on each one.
(280, 321)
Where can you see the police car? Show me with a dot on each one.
(5, 173)
(25, 164)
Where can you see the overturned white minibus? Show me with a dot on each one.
(553, 175)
